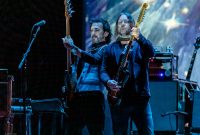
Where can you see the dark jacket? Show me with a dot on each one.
(89, 79)
(141, 51)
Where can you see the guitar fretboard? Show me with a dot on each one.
(191, 65)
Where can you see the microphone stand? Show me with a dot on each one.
(29, 48)
(24, 80)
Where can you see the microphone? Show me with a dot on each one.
(40, 23)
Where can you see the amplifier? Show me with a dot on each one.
(164, 66)
(3, 75)
(6, 96)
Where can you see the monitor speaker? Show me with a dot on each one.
(164, 104)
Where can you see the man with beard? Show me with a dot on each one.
(129, 93)
(87, 105)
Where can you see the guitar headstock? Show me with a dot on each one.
(141, 15)
(197, 43)
(68, 8)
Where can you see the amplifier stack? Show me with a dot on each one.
(163, 67)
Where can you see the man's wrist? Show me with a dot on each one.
(108, 82)
(76, 51)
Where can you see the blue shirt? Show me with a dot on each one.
(89, 79)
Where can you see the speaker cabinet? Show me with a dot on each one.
(6, 96)
(195, 111)
(164, 104)
(5, 105)
(3, 97)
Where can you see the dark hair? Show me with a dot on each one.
(106, 27)
(130, 18)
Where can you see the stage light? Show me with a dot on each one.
(167, 4)
(185, 11)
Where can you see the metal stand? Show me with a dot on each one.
(24, 80)
(49, 108)
(185, 103)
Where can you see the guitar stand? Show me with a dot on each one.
(185, 103)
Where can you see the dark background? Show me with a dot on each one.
(46, 61)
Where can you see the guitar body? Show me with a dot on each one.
(114, 98)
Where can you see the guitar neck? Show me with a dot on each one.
(67, 26)
(68, 50)
(191, 65)
(141, 16)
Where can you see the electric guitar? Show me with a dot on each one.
(70, 73)
(122, 75)
(189, 86)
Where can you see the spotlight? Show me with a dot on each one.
(161, 74)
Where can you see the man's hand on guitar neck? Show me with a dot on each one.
(69, 44)
(135, 32)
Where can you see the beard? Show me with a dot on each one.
(95, 40)
(124, 31)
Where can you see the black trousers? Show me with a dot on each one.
(87, 109)
(136, 108)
